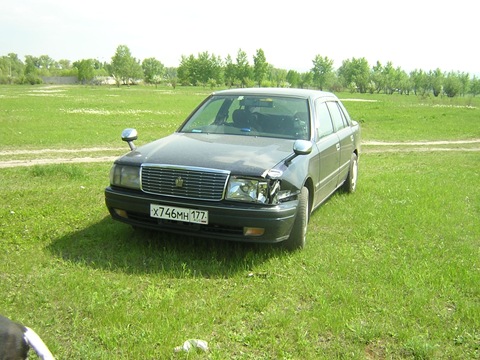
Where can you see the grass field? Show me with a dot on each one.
(390, 272)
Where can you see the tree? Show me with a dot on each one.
(65, 68)
(209, 69)
(452, 84)
(403, 82)
(243, 69)
(86, 71)
(260, 67)
(205, 69)
(322, 71)
(65, 64)
(31, 65)
(294, 78)
(136, 72)
(435, 80)
(217, 69)
(475, 86)
(47, 65)
(390, 79)
(186, 70)
(125, 68)
(11, 69)
(31, 70)
(388, 75)
(171, 76)
(278, 77)
(419, 80)
(229, 72)
(152, 70)
(465, 80)
(377, 77)
(306, 79)
(355, 74)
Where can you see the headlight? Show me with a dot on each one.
(244, 189)
(126, 176)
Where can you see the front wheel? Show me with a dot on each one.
(351, 182)
(298, 235)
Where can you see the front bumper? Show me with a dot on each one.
(227, 220)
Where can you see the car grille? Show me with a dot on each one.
(184, 182)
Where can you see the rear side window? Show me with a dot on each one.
(337, 118)
(345, 114)
(323, 121)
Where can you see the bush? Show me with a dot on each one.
(452, 86)
(33, 79)
(5, 80)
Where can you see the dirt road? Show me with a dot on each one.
(16, 158)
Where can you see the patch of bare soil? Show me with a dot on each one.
(31, 162)
(421, 146)
(16, 158)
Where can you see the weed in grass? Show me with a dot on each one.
(419, 348)
(58, 171)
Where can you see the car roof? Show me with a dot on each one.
(293, 92)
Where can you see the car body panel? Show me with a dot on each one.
(328, 161)
(226, 220)
(279, 150)
(246, 155)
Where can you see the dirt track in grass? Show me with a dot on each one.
(17, 158)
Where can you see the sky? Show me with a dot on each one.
(411, 34)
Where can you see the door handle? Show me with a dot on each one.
(338, 146)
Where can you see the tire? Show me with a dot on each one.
(350, 183)
(297, 239)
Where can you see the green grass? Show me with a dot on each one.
(390, 272)
(414, 118)
(49, 117)
(54, 116)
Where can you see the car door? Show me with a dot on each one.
(328, 152)
(345, 138)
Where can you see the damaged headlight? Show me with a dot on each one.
(246, 189)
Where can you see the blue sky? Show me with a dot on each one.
(412, 34)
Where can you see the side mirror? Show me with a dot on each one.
(300, 147)
(129, 135)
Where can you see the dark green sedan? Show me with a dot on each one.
(246, 165)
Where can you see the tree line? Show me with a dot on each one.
(209, 70)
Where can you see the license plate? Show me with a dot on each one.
(179, 214)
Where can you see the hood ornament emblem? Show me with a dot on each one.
(179, 182)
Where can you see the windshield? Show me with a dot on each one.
(270, 116)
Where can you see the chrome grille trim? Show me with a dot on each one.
(197, 183)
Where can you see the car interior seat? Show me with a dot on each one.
(240, 119)
(296, 126)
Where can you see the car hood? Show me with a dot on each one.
(246, 155)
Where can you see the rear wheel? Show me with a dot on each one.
(298, 235)
(351, 182)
